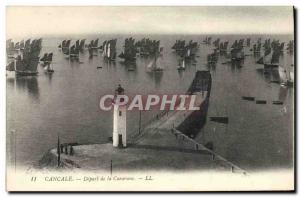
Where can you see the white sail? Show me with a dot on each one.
(104, 50)
(48, 67)
(188, 52)
(291, 76)
(282, 74)
(150, 65)
(159, 63)
(108, 51)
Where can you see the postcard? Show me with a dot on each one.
(133, 98)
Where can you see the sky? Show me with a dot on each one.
(28, 21)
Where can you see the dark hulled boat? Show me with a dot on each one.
(223, 47)
(47, 62)
(74, 52)
(81, 44)
(94, 44)
(148, 47)
(186, 51)
(129, 53)
(65, 47)
(290, 46)
(212, 58)
(207, 40)
(196, 120)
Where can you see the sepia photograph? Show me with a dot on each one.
(150, 98)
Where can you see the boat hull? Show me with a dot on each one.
(270, 66)
(26, 73)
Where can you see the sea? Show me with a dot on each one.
(66, 103)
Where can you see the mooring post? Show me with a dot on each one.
(61, 148)
(66, 149)
(58, 151)
(140, 122)
(111, 167)
(71, 150)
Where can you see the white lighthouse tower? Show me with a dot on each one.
(119, 127)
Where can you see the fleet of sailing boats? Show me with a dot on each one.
(147, 47)
(186, 51)
(272, 53)
(27, 59)
(23, 56)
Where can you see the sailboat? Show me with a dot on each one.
(65, 47)
(109, 50)
(223, 47)
(237, 54)
(10, 48)
(26, 63)
(207, 40)
(81, 44)
(48, 68)
(62, 44)
(22, 45)
(290, 46)
(94, 44)
(217, 43)
(271, 60)
(129, 53)
(90, 50)
(74, 52)
(286, 77)
(155, 65)
(179, 46)
(282, 74)
(46, 59)
(17, 46)
(77, 45)
(213, 57)
(182, 65)
(248, 42)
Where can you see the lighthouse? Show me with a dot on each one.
(119, 122)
